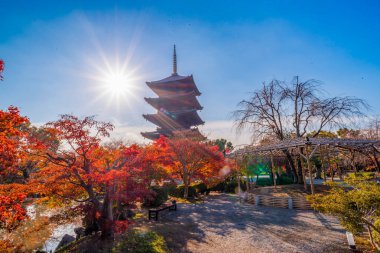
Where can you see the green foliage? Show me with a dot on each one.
(356, 203)
(348, 133)
(322, 134)
(264, 181)
(141, 242)
(229, 185)
(284, 179)
(360, 176)
(258, 168)
(223, 144)
(160, 195)
(178, 192)
(200, 187)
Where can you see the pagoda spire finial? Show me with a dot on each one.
(174, 62)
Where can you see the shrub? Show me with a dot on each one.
(264, 181)
(283, 179)
(200, 187)
(360, 176)
(218, 187)
(180, 190)
(160, 195)
(229, 185)
(141, 242)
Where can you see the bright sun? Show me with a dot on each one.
(117, 83)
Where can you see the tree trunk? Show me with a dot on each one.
(352, 160)
(319, 172)
(291, 164)
(340, 174)
(186, 186)
(303, 172)
(247, 179)
(373, 243)
(324, 171)
(107, 214)
(333, 172)
(310, 176)
(375, 161)
(272, 171)
(90, 220)
(300, 174)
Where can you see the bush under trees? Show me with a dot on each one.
(356, 204)
(141, 242)
(159, 196)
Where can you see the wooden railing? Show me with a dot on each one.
(291, 202)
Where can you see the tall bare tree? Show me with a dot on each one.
(294, 110)
(374, 128)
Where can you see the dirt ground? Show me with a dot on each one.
(222, 224)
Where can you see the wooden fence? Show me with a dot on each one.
(291, 202)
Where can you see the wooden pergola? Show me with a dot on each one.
(307, 148)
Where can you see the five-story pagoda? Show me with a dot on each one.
(176, 105)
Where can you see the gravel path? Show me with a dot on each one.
(222, 224)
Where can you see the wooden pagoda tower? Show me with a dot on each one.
(176, 105)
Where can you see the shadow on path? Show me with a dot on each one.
(222, 224)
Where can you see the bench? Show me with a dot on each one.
(153, 213)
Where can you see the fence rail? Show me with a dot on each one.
(296, 202)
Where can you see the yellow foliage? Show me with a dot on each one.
(31, 235)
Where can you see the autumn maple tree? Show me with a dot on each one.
(104, 179)
(191, 160)
(12, 143)
(12, 140)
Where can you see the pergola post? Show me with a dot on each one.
(307, 157)
(302, 171)
(309, 167)
(375, 158)
(273, 174)
(323, 163)
(352, 159)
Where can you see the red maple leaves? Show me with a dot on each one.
(1, 68)
(11, 211)
(12, 138)
(191, 160)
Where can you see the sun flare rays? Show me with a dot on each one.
(115, 83)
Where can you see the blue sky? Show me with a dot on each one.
(56, 52)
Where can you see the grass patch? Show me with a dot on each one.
(133, 240)
(187, 201)
(138, 216)
(141, 242)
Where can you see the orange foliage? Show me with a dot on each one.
(12, 144)
(11, 212)
(191, 160)
(12, 140)
(81, 169)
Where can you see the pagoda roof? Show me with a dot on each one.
(151, 135)
(174, 84)
(162, 120)
(175, 120)
(175, 103)
(192, 133)
(188, 118)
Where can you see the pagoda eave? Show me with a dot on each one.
(186, 101)
(173, 84)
